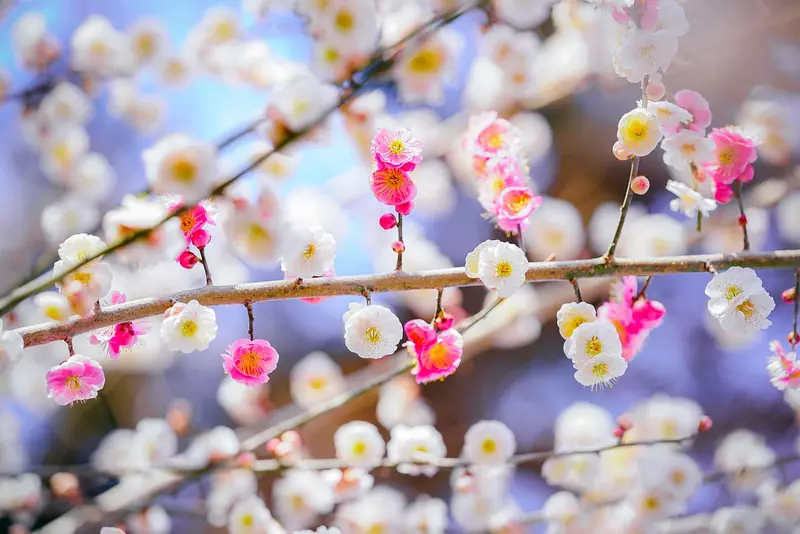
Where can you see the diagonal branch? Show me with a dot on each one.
(396, 281)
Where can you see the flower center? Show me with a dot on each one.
(376, 528)
(184, 171)
(572, 324)
(330, 55)
(600, 370)
(747, 308)
(393, 178)
(372, 334)
(732, 292)
(297, 502)
(98, 48)
(726, 156)
(73, 383)
(82, 277)
(425, 61)
(188, 221)
(145, 44)
(396, 147)
(637, 130)
(188, 328)
(437, 356)
(488, 446)
(250, 364)
(503, 269)
(247, 520)
(678, 478)
(300, 106)
(518, 202)
(359, 447)
(309, 251)
(257, 235)
(344, 21)
(224, 31)
(652, 503)
(594, 347)
(54, 313)
(421, 448)
(317, 383)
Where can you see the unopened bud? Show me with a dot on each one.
(187, 259)
(201, 238)
(620, 152)
(405, 208)
(640, 185)
(792, 338)
(444, 321)
(65, 486)
(398, 247)
(789, 295)
(245, 459)
(705, 424)
(742, 220)
(656, 91)
(388, 221)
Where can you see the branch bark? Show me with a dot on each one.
(396, 281)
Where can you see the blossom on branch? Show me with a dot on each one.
(250, 362)
(502, 268)
(372, 331)
(188, 327)
(308, 252)
(77, 379)
(359, 444)
(738, 300)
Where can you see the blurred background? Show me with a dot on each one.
(736, 51)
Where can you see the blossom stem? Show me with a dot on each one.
(796, 307)
(737, 192)
(439, 293)
(576, 287)
(521, 241)
(70, 348)
(250, 318)
(204, 263)
(357, 285)
(399, 265)
(626, 203)
(643, 292)
(699, 221)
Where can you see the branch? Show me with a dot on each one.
(377, 65)
(395, 281)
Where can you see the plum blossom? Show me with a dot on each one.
(437, 355)
(782, 367)
(97, 48)
(188, 327)
(502, 268)
(596, 353)
(359, 444)
(424, 68)
(396, 148)
(698, 107)
(314, 379)
(513, 207)
(639, 132)
(409, 446)
(308, 252)
(734, 153)
(471, 263)
(489, 442)
(119, 337)
(250, 362)
(556, 227)
(570, 316)
(11, 345)
(689, 201)
(634, 318)
(77, 379)
(686, 149)
(642, 53)
(250, 516)
(299, 497)
(372, 331)
(670, 116)
(181, 165)
(738, 300)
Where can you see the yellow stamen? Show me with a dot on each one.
(344, 21)
(747, 308)
(249, 363)
(732, 292)
(652, 503)
(82, 277)
(488, 446)
(73, 383)
(572, 324)
(247, 520)
(726, 156)
(396, 147)
(503, 269)
(317, 383)
(372, 334)
(594, 347)
(188, 328)
(309, 252)
(359, 448)
(600, 370)
(184, 171)
(426, 61)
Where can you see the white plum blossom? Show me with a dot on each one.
(746, 458)
(148, 40)
(314, 379)
(382, 509)
(471, 263)
(228, 487)
(359, 444)
(400, 403)
(642, 53)
(592, 339)
(687, 148)
(787, 215)
(739, 301)
(136, 214)
(672, 18)
(188, 327)
(250, 516)
(570, 316)
(661, 417)
(69, 215)
(179, 164)
(654, 235)
(670, 116)
(689, 201)
(244, 404)
(489, 442)
(301, 102)
(424, 68)
(66, 104)
(91, 176)
(308, 252)
(152, 520)
(639, 132)
(410, 446)
(299, 497)
(34, 48)
(97, 48)
(351, 26)
(62, 149)
(502, 268)
(426, 515)
(602, 370)
(524, 14)
(373, 331)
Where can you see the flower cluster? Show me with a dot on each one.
(436, 352)
(193, 228)
(88, 283)
(739, 301)
(503, 183)
(118, 337)
(633, 315)
(733, 155)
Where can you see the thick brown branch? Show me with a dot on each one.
(396, 281)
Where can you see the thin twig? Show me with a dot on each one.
(576, 287)
(521, 240)
(70, 348)
(250, 318)
(742, 217)
(355, 285)
(643, 292)
(399, 265)
(439, 293)
(204, 263)
(796, 307)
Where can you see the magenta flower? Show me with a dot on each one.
(694, 103)
(437, 355)
(250, 362)
(633, 318)
(77, 379)
(396, 148)
(119, 336)
(733, 154)
(487, 135)
(513, 207)
(195, 218)
(392, 186)
(783, 369)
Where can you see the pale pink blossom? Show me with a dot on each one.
(694, 103)
(513, 207)
(633, 318)
(119, 336)
(437, 355)
(733, 154)
(496, 175)
(783, 368)
(648, 14)
(250, 362)
(487, 135)
(392, 185)
(77, 379)
(396, 148)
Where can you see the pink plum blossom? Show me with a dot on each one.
(396, 148)
(733, 154)
(194, 219)
(783, 369)
(119, 336)
(250, 362)
(437, 355)
(77, 379)
(694, 103)
(633, 318)
(392, 186)
(513, 207)
(487, 135)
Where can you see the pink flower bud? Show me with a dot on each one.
(791, 337)
(624, 422)
(398, 247)
(640, 185)
(187, 259)
(742, 220)
(620, 152)
(655, 91)
(788, 296)
(619, 432)
(201, 238)
(245, 459)
(705, 424)
(405, 208)
(445, 321)
(388, 221)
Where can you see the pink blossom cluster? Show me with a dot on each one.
(783, 368)
(396, 154)
(193, 228)
(437, 350)
(734, 153)
(119, 336)
(633, 316)
(495, 147)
